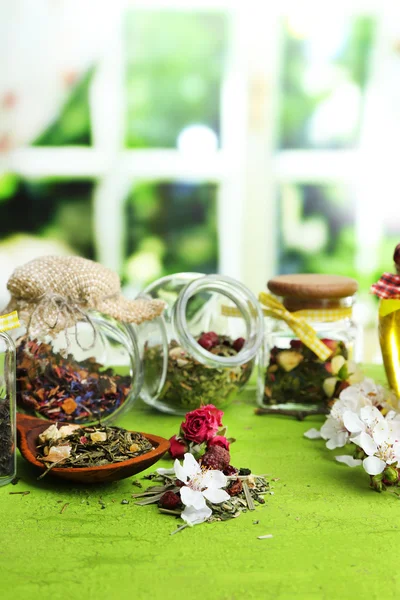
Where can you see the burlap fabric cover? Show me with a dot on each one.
(52, 293)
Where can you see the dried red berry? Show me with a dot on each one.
(238, 344)
(216, 457)
(208, 340)
(169, 500)
(230, 470)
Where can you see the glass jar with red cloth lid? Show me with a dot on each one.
(307, 357)
(388, 290)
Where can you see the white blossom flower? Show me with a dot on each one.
(333, 430)
(200, 485)
(380, 441)
(337, 430)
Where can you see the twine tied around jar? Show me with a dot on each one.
(54, 293)
(68, 310)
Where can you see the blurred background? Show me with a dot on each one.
(202, 135)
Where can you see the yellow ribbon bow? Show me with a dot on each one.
(9, 321)
(304, 331)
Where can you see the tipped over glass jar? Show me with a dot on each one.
(307, 356)
(213, 329)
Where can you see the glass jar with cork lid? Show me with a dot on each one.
(307, 357)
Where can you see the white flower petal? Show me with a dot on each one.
(190, 465)
(370, 415)
(216, 495)
(380, 432)
(313, 434)
(339, 440)
(180, 471)
(348, 460)
(352, 422)
(162, 471)
(194, 517)
(367, 443)
(193, 498)
(214, 479)
(373, 465)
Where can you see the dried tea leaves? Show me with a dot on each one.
(90, 446)
(6, 440)
(59, 388)
(190, 383)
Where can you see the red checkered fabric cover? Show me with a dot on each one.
(387, 287)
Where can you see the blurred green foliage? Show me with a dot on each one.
(299, 101)
(174, 69)
(174, 73)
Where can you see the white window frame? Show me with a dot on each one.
(247, 169)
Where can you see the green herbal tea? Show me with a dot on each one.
(296, 375)
(75, 446)
(190, 384)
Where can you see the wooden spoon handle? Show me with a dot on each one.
(26, 422)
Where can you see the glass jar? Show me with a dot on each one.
(389, 338)
(7, 409)
(296, 376)
(89, 373)
(213, 329)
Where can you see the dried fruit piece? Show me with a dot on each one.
(289, 360)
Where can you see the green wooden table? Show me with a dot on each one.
(332, 536)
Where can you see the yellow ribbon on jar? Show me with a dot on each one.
(9, 321)
(297, 320)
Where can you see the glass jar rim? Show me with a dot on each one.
(245, 302)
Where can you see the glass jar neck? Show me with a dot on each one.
(318, 304)
(245, 302)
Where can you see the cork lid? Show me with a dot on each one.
(312, 286)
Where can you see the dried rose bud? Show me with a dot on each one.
(169, 500)
(208, 340)
(238, 344)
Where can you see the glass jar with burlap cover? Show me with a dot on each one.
(78, 354)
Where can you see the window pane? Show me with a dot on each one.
(72, 126)
(171, 227)
(324, 72)
(175, 63)
(316, 230)
(43, 217)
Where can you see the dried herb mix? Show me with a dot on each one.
(6, 439)
(296, 374)
(59, 388)
(90, 446)
(190, 383)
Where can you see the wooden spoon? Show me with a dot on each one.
(29, 429)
